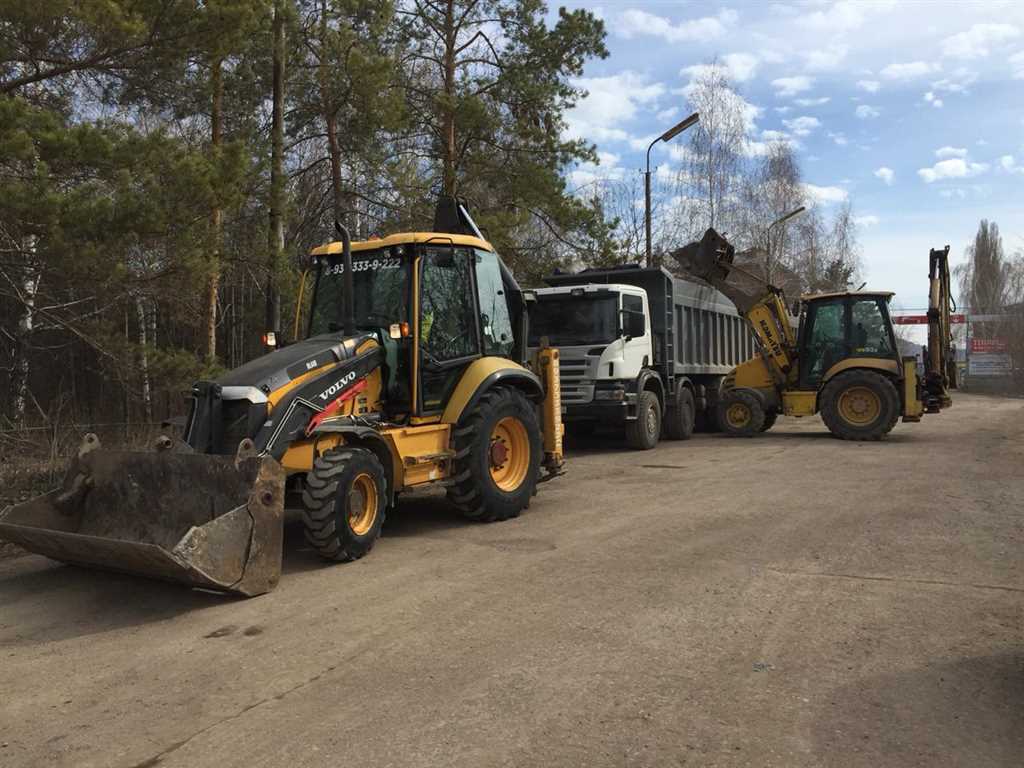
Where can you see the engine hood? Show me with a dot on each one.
(275, 369)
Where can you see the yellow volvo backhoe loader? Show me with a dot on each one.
(407, 377)
(841, 360)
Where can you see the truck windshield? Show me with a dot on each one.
(381, 283)
(574, 320)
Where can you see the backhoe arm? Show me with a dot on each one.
(757, 300)
(940, 374)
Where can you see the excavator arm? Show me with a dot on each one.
(759, 302)
(940, 372)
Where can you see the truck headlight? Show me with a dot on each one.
(610, 394)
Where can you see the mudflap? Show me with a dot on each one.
(211, 522)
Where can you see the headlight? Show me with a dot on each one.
(610, 394)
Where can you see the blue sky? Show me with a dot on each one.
(914, 111)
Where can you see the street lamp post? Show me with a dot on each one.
(667, 136)
(768, 236)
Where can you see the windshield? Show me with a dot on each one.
(574, 320)
(381, 283)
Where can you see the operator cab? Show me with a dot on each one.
(436, 302)
(835, 327)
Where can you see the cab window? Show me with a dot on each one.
(825, 340)
(448, 323)
(869, 331)
(495, 323)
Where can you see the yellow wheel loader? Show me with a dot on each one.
(407, 376)
(840, 359)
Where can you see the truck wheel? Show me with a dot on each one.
(740, 413)
(497, 457)
(860, 405)
(643, 432)
(679, 421)
(344, 502)
(769, 420)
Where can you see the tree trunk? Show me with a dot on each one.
(26, 324)
(142, 317)
(448, 181)
(275, 237)
(330, 119)
(216, 215)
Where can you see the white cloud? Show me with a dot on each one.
(606, 169)
(886, 175)
(667, 114)
(954, 192)
(871, 86)
(741, 67)
(953, 168)
(825, 59)
(813, 102)
(1009, 164)
(843, 16)
(957, 82)
(1017, 62)
(610, 102)
(825, 195)
(791, 86)
(782, 110)
(839, 138)
(802, 126)
(868, 220)
(932, 99)
(635, 23)
(909, 70)
(977, 42)
(947, 151)
(865, 112)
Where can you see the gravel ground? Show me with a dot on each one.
(790, 600)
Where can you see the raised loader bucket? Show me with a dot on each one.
(214, 522)
(708, 258)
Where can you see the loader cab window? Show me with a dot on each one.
(449, 327)
(495, 323)
(381, 282)
(824, 340)
(870, 329)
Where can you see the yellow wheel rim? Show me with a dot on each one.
(509, 454)
(362, 504)
(860, 406)
(738, 415)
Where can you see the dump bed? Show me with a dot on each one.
(697, 330)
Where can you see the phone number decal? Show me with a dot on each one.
(364, 265)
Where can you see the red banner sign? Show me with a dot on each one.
(923, 319)
(988, 345)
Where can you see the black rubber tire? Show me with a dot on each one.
(325, 503)
(769, 420)
(644, 431)
(748, 400)
(474, 492)
(679, 421)
(884, 389)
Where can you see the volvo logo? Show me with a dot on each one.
(336, 386)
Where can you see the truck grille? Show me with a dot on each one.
(572, 374)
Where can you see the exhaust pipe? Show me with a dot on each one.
(347, 283)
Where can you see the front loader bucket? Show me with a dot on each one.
(709, 259)
(214, 522)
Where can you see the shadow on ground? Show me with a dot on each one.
(78, 602)
(967, 712)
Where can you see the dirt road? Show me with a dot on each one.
(791, 600)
